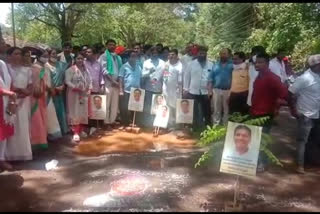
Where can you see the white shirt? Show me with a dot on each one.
(171, 83)
(103, 61)
(157, 74)
(278, 68)
(307, 89)
(196, 78)
(185, 60)
(252, 77)
(184, 118)
(250, 156)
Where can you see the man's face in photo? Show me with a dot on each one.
(137, 95)
(185, 107)
(97, 102)
(242, 139)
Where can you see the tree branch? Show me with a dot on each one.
(47, 23)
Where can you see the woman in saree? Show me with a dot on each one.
(79, 88)
(56, 72)
(53, 126)
(7, 97)
(19, 146)
(39, 102)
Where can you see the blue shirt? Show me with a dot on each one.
(131, 76)
(221, 76)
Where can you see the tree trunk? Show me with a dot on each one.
(65, 35)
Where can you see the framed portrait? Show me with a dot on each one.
(158, 100)
(98, 107)
(162, 117)
(241, 149)
(184, 111)
(136, 99)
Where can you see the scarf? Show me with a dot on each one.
(36, 105)
(5, 83)
(109, 66)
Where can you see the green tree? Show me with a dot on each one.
(224, 25)
(135, 22)
(63, 17)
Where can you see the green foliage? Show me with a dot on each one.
(213, 151)
(211, 134)
(239, 26)
(214, 137)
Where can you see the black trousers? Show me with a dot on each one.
(201, 102)
(238, 102)
(125, 114)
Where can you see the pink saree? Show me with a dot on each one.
(39, 108)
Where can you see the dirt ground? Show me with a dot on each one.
(99, 176)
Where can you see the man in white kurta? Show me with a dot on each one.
(172, 83)
(277, 66)
(188, 57)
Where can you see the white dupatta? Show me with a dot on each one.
(5, 83)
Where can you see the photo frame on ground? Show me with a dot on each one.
(136, 99)
(241, 149)
(98, 107)
(184, 111)
(162, 117)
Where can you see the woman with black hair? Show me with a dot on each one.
(57, 70)
(38, 101)
(79, 88)
(53, 126)
(19, 146)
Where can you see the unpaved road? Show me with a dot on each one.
(167, 180)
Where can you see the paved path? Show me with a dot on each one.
(156, 181)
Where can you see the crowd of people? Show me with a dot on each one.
(44, 93)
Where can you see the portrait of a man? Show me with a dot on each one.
(184, 112)
(98, 107)
(137, 95)
(242, 139)
(136, 99)
(97, 101)
(241, 149)
(185, 106)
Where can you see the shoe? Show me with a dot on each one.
(83, 134)
(92, 130)
(76, 138)
(300, 169)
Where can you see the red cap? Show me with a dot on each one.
(194, 50)
(119, 50)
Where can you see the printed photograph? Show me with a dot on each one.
(162, 117)
(184, 110)
(241, 149)
(158, 100)
(136, 99)
(98, 107)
